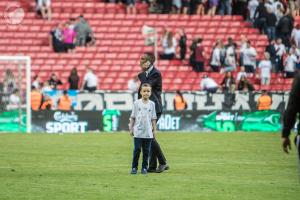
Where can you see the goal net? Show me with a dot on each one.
(15, 110)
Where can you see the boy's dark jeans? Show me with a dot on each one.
(143, 144)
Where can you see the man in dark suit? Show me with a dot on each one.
(290, 116)
(152, 76)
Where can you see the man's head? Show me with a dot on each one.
(146, 90)
(146, 61)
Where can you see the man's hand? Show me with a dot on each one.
(286, 144)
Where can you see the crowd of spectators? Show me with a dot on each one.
(65, 37)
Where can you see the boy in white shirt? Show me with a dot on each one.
(142, 127)
(265, 67)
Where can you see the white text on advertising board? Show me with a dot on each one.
(66, 123)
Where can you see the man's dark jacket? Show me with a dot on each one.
(293, 107)
(155, 80)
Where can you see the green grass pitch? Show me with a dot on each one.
(210, 166)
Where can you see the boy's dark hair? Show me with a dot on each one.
(146, 85)
(65, 92)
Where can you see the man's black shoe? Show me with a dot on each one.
(151, 170)
(162, 168)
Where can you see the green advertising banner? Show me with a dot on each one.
(10, 121)
(247, 121)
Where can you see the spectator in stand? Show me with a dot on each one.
(47, 104)
(213, 4)
(241, 8)
(182, 43)
(284, 29)
(244, 85)
(36, 99)
(83, 31)
(90, 81)
(230, 56)
(216, 57)
(46, 87)
(56, 40)
(36, 82)
(69, 36)
(133, 84)
(208, 84)
(241, 73)
(73, 79)
(14, 100)
(166, 6)
(295, 37)
(294, 6)
(228, 82)
(270, 48)
(264, 102)
(260, 17)
(179, 102)
(54, 81)
(44, 6)
(198, 55)
(252, 5)
(271, 24)
(249, 58)
(265, 67)
(200, 7)
(186, 6)
(9, 82)
(290, 64)
(130, 7)
(176, 8)
(169, 45)
(64, 102)
(243, 46)
(280, 51)
(225, 7)
(278, 11)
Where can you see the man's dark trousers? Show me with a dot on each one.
(156, 152)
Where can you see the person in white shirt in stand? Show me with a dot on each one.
(296, 35)
(208, 84)
(14, 100)
(252, 5)
(36, 82)
(265, 67)
(249, 58)
(280, 51)
(90, 81)
(215, 62)
(290, 64)
(169, 45)
(241, 73)
(45, 7)
(133, 84)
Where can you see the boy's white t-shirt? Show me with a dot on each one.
(143, 113)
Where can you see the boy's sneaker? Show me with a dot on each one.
(144, 171)
(133, 171)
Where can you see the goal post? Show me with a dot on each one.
(15, 93)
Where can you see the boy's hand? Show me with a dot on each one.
(131, 132)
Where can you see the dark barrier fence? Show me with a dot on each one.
(200, 101)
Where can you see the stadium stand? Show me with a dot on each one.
(119, 43)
